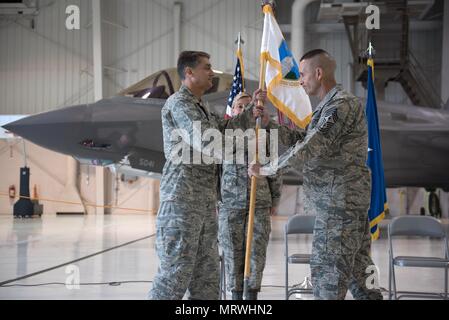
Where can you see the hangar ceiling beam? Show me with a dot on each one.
(177, 44)
(98, 92)
(298, 27)
(445, 56)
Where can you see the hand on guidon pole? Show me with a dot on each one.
(259, 95)
(259, 99)
(254, 170)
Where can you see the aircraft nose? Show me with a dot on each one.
(52, 129)
(14, 127)
(8, 127)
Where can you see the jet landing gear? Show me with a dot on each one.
(434, 204)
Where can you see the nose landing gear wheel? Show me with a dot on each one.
(434, 205)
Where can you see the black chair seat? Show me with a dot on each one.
(299, 258)
(422, 262)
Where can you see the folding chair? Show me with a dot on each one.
(222, 285)
(421, 226)
(297, 224)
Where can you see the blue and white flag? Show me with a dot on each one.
(282, 74)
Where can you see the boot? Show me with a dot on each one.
(237, 295)
(252, 295)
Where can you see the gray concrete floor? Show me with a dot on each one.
(29, 246)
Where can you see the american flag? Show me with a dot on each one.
(237, 84)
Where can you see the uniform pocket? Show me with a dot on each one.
(171, 242)
(334, 229)
(319, 236)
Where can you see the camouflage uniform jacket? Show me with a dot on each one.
(334, 150)
(192, 185)
(236, 188)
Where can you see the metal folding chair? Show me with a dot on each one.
(222, 287)
(297, 224)
(420, 226)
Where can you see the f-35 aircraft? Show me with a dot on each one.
(126, 130)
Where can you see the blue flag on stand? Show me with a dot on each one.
(378, 194)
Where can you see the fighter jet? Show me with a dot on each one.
(126, 131)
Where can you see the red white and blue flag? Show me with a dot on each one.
(237, 83)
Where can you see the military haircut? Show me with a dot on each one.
(322, 59)
(189, 59)
(313, 53)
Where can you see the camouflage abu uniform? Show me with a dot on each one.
(186, 239)
(233, 223)
(337, 190)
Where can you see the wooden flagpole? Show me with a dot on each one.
(252, 201)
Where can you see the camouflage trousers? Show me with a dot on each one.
(233, 224)
(187, 247)
(341, 259)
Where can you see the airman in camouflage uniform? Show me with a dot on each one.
(186, 226)
(336, 182)
(233, 219)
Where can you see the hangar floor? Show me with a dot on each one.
(115, 258)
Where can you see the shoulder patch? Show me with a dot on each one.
(328, 120)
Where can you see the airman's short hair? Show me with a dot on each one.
(321, 58)
(189, 59)
(313, 53)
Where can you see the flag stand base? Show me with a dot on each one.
(304, 287)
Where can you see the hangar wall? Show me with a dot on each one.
(50, 67)
(46, 67)
(48, 173)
